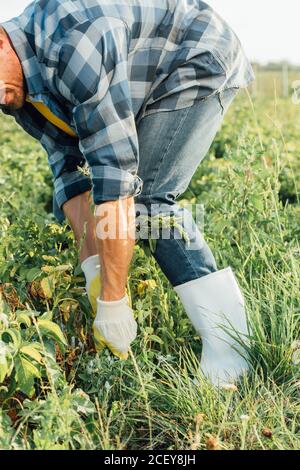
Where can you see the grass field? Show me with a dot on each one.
(56, 393)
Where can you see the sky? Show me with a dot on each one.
(268, 29)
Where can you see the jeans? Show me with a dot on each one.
(171, 147)
(172, 144)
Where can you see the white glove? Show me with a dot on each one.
(91, 269)
(114, 326)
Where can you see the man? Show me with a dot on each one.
(137, 89)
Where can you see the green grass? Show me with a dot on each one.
(269, 82)
(156, 399)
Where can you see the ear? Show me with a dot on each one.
(2, 37)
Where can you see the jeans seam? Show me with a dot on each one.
(221, 103)
(169, 145)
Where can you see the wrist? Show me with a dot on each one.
(112, 294)
(112, 303)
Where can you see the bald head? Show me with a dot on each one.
(12, 95)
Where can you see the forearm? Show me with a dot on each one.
(81, 218)
(115, 229)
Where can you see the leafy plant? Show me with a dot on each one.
(23, 348)
(56, 393)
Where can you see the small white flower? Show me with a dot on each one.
(296, 357)
(296, 345)
(245, 418)
(296, 352)
(4, 320)
(107, 386)
(229, 387)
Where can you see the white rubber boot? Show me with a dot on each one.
(216, 308)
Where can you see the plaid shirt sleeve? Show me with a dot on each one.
(92, 75)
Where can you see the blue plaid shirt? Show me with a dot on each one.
(102, 65)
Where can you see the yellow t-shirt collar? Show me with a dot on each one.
(56, 121)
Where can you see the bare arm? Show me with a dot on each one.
(115, 231)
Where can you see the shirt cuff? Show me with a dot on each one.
(111, 184)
